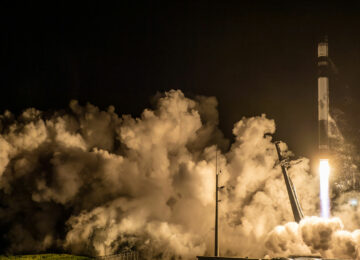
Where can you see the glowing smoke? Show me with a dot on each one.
(324, 170)
(314, 236)
(93, 182)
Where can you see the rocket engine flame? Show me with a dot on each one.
(324, 169)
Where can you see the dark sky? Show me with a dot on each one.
(255, 58)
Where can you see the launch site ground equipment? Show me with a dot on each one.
(294, 202)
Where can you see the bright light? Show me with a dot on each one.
(324, 169)
(353, 202)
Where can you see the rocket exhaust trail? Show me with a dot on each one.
(323, 125)
(324, 170)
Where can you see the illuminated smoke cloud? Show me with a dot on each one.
(314, 235)
(92, 182)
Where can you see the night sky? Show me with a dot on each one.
(254, 58)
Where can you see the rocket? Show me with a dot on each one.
(323, 95)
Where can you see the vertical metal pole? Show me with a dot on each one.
(216, 209)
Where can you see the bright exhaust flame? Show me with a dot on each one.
(324, 169)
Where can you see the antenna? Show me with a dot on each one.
(217, 188)
(216, 208)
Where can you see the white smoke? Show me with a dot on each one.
(314, 236)
(93, 182)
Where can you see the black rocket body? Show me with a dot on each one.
(323, 96)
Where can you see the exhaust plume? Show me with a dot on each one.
(324, 171)
(90, 181)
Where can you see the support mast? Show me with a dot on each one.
(216, 253)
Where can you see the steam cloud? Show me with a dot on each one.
(92, 182)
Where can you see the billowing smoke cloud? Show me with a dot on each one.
(92, 182)
(314, 235)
